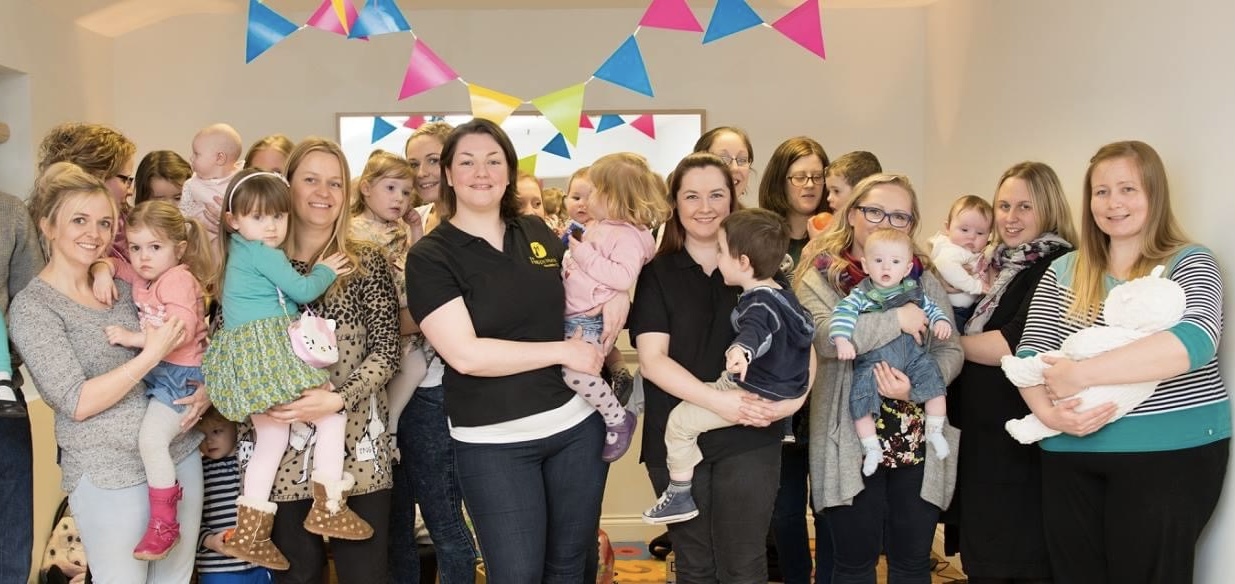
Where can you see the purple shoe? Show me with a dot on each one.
(617, 439)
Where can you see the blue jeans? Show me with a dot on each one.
(903, 353)
(593, 327)
(251, 576)
(17, 492)
(427, 476)
(789, 523)
(536, 504)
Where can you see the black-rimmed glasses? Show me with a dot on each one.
(875, 215)
(801, 180)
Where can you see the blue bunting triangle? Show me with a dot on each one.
(379, 17)
(729, 17)
(266, 28)
(608, 122)
(381, 129)
(625, 68)
(557, 146)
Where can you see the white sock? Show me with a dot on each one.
(6, 392)
(874, 455)
(934, 435)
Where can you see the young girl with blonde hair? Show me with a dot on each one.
(628, 201)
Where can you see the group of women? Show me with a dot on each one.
(494, 423)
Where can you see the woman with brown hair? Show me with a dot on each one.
(160, 175)
(792, 187)
(103, 153)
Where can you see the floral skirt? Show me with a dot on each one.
(252, 367)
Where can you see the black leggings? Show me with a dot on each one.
(355, 562)
(1129, 518)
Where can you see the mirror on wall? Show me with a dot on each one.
(662, 136)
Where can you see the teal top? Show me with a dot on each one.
(254, 275)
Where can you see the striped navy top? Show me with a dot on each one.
(1185, 411)
(222, 478)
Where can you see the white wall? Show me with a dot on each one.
(193, 73)
(1053, 80)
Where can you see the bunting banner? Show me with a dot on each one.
(265, 29)
(381, 129)
(379, 17)
(645, 124)
(336, 16)
(414, 122)
(730, 17)
(492, 105)
(528, 164)
(586, 122)
(670, 14)
(557, 146)
(608, 122)
(802, 26)
(425, 71)
(563, 108)
(625, 68)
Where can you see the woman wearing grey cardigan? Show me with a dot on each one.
(94, 387)
(896, 508)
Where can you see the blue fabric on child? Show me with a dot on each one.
(168, 382)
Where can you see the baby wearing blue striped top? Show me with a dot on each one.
(221, 472)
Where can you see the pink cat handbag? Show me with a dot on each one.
(313, 338)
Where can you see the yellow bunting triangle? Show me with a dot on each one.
(492, 105)
(528, 164)
(341, 11)
(563, 108)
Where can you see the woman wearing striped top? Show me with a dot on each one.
(1125, 501)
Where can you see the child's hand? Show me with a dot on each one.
(736, 362)
(214, 542)
(415, 224)
(845, 350)
(338, 263)
(104, 286)
(943, 330)
(118, 335)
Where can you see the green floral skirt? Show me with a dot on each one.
(252, 367)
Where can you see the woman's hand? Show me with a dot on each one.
(1064, 417)
(160, 340)
(733, 407)
(313, 403)
(892, 382)
(614, 313)
(1064, 377)
(214, 208)
(761, 412)
(338, 263)
(913, 321)
(581, 355)
(197, 404)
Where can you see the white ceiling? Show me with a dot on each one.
(114, 18)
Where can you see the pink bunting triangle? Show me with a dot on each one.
(584, 122)
(414, 122)
(802, 26)
(327, 16)
(425, 71)
(645, 124)
(670, 14)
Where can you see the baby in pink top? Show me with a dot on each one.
(169, 256)
(215, 159)
(628, 201)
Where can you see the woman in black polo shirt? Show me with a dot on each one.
(486, 288)
(680, 324)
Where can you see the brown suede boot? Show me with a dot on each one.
(330, 515)
(250, 539)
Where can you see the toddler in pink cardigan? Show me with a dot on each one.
(605, 261)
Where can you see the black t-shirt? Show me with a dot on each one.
(515, 295)
(675, 297)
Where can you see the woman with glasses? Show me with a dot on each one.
(732, 146)
(895, 508)
(103, 153)
(793, 187)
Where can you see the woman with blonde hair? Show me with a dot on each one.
(896, 508)
(269, 153)
(1126, 501)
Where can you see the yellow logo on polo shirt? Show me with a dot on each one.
(538, 250)
(540, 257)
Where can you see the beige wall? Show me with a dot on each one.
(1053, 80)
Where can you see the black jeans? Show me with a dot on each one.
(17, 493)
(1129, 518)
(427, 476)
(789, 522)
(355, 562)
(727, 542)
(889, 515)
(536, 504)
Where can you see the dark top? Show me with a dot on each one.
(675, 297)
(776, 333)
(515, 294)
(998, 495)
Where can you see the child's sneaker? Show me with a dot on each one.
(10, 406)
(617, 439)
(674, 506)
